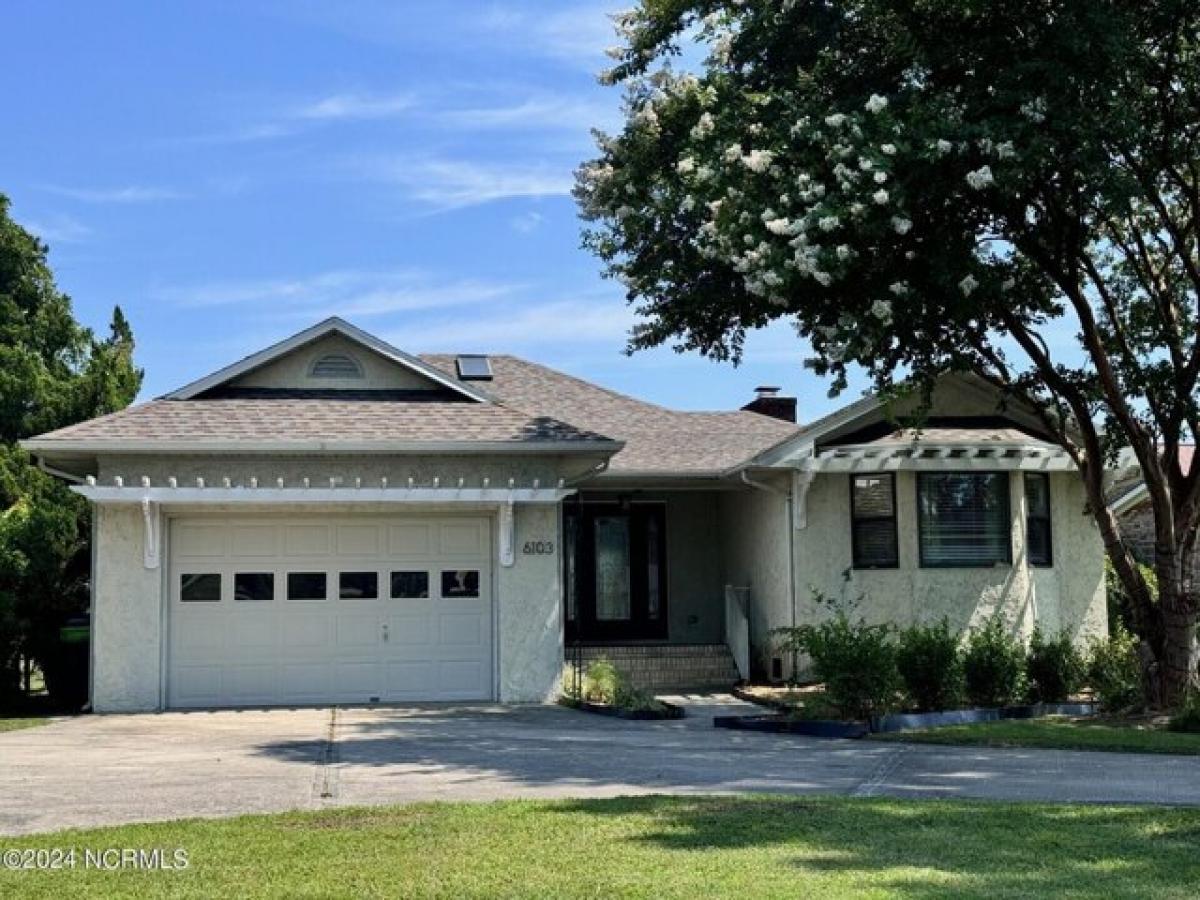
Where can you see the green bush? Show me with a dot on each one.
(1120, 607)
(1115, 671)
(605, 683)
(993, 664)
(1055, 668)
(1188, 717)
(856, 661)
(930, 665)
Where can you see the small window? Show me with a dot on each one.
(963, 519)
(1038, 545)
(358, 585)
(873, 537)
(336, 365)
(410, 585)
(474, 368)
(460, 583)
(200, 588)
(306, 585)
(251, 586)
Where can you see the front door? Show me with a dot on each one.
(616, 574)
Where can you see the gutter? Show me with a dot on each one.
(59, 473)
(467, 448)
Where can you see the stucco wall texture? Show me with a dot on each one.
(1066, 596)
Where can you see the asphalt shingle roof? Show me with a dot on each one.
(657, 439)
(292, 419)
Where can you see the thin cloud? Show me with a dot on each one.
(527, 222)
(60, 229)
(361, 293)
(454, 184)
(555, 323)
(540, 111)
(356, 106)
(578, 33)
(127, 194)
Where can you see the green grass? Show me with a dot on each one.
(654, 847)
(1057, 733)
(16, 723)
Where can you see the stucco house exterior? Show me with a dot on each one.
(335, 520)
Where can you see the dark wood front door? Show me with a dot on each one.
(616, 572)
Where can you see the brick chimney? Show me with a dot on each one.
(767, 402)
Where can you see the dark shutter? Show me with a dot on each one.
(873, 518)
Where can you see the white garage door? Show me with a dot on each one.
(329, 609)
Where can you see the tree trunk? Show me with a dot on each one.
(1180, 653)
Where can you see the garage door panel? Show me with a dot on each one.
(254, 540)
(306, 540)
(339, 649)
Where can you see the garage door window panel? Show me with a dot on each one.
(411, 585)
(460, 583)
(251, 587)
(306, 586)
(358, 585)
(202, 587)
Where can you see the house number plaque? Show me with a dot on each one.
(538, 548)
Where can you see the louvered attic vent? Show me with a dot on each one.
(474, 368)
(336, 365)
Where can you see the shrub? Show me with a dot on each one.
(1054, 667)
(993, 665)
(605, 683)
(930, 665)
(1115, 671)
(1119, 605)
(1188, 717)
(856, 661)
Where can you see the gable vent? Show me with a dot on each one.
(474, 368)
(336, 365)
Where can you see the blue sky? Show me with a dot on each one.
(231, 172)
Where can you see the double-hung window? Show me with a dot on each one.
(963, 519)
(873, 518)
(1038, 545)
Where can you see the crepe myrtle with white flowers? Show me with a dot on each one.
(1011, 189)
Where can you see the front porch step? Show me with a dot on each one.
(659, 667)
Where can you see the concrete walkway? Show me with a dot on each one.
(97, 770)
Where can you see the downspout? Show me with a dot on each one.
(788, 512)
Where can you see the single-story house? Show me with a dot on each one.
(333, 520)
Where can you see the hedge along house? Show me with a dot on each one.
(332, 520)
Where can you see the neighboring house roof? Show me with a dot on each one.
(1129, 493)
(293, 424)
(657, 440)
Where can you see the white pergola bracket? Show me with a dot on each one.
(508, 539)
(151, 534)
(801, 482)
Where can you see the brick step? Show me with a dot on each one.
(688, 667)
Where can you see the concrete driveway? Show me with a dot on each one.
(97, 770)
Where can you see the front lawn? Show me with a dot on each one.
(1123, 736)
(654, 847)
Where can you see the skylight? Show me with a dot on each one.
(474, 368)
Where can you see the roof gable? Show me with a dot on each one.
(333, 348)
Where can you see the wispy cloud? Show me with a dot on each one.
(127, 194)
(58, 229)
(527, 222)
(355, 106)
(447, 184)
(542, 111)
(347, 292)
(602, 320)
(574, 32)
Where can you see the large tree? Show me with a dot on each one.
(53, 371)
(1011, 189)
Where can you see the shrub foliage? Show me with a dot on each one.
(1055, 668)
(930, 666)
(993, 664)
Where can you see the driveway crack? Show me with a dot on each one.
(325, 782)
